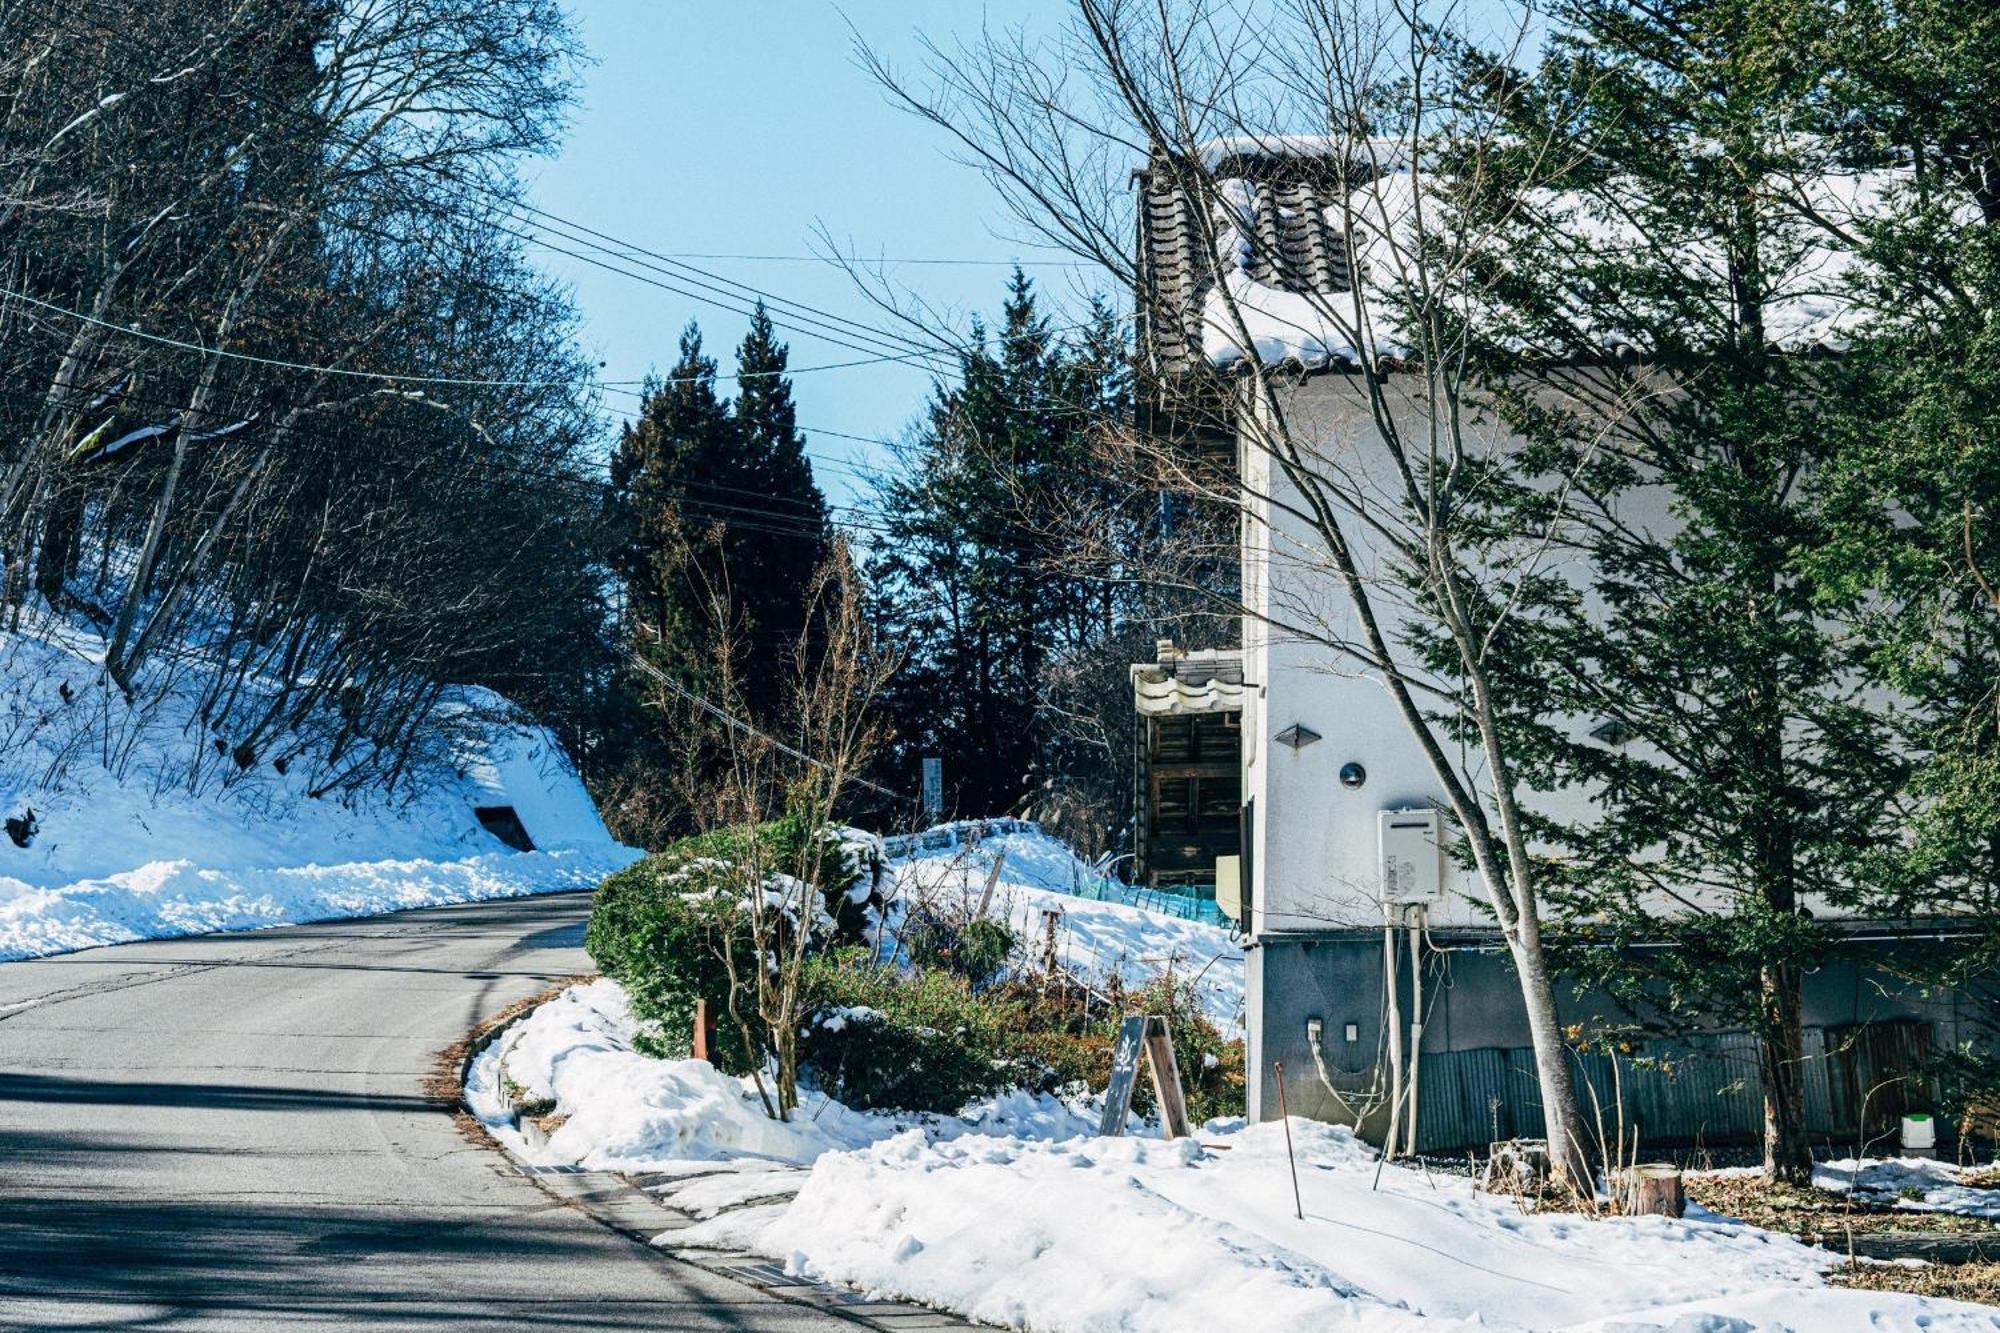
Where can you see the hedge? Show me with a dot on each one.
(661, 926)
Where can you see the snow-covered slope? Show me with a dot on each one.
(125, 847)
(1092, 938)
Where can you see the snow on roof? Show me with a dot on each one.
(1204, 681)
(1312, 265)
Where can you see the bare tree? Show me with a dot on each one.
(286, 415)
(838, 671)
(1365, 534)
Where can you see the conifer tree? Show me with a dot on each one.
(1690, 679)
(1914, 484)
(982, 577)
(668, 550)
(719, 528)
(772, 554)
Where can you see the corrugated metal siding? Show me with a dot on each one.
(1694, 1090)
(1471, 1097)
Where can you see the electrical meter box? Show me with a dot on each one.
(1409, 855)
(1229, 887)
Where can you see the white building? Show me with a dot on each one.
(1357, 922)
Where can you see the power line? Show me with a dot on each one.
(754, 518)
(704, 277)
(389, 377)
(803, 326)
(736, 723)
(887, 260)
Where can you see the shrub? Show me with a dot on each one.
(661, 928)
(925, 1040)
(1211, 1065)
(664, 927)
(877, 1038)
(975, 950)
(1061, 1037)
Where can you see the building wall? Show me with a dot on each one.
(1314, 851)
(1475, 1040)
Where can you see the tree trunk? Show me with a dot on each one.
(1569, 1153)
(1652, 1189)
(1780, 1058)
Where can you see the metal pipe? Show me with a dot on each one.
(1393, 1021)
(1298, 1204)
(1414, 926)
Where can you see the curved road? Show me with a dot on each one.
(231, 1132)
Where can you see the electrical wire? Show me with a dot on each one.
(729, 719)
(747, 517)
(888, 261)
(390, 377)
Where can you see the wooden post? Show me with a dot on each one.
(704, 1030)
(1652, 1189)
(992, 878)
(1051, 918)
(1125, 1055)
(1166, 1080)
(1145, 1036)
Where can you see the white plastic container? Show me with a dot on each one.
(1919, 1132)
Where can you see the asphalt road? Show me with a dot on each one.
(231, 1132)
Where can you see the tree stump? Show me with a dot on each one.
(1652, 1189)
(1516, 1166)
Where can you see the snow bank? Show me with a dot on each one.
(1093, 938)
(628, 1112)
(124, 850)
(1129, 1233)
(162, 899)
(1017, 1215)
(1918, 1184)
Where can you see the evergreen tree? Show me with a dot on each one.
(1915, 480)
(981, 576)
(719, 529)
(771, 556)
(669, 547)
(1744, 777)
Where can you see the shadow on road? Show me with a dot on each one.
(153, 1263)
(198, 1096)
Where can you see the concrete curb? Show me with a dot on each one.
(623, 1204)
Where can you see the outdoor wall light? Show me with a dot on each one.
(1611, 731)
(1352, 775)
(1296, 737)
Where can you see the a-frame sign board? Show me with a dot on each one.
(1144, 1035)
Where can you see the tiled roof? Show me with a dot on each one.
(1290, 245)
(1241, 245)
(1208, 681)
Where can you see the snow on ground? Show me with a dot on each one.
(1019, 1216)
(124, 850)
(164, 899)
(1915, 1183)
(1094, 938)
(627, 1110)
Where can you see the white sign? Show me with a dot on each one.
(933, 785)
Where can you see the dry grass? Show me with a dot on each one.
(1959, 1282)
(1817, 1214)
(446, 1083)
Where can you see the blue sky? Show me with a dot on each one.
(740, 128)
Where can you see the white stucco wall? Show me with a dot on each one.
(1315, 843)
